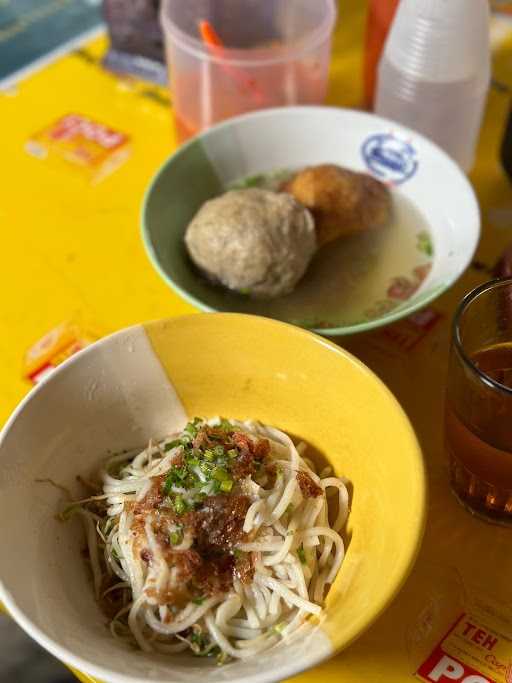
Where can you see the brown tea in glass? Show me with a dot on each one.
(478, 420)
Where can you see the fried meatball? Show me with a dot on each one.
(343, 202)
(253, 241)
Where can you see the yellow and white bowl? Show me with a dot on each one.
(139, 383)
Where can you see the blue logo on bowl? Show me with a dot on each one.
(394, 161)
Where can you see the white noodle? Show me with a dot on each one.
(294, 551)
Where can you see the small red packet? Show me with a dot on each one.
(92, 148)
(53, 349)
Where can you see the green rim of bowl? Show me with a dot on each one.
(399, 313)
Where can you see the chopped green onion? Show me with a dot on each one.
(176, 475)
(175, 537)
(191, 481)
(225, 425)
(232, 453)
(209, 455)
(198, 601)
(238, 553)
(192, 428)
(301, 554)
(219, 451)
(198, 639)
(226, 485)
(172, 444)
(179, 505)
(279, 628)
(68, 512)
(222, 658)
(220, 474)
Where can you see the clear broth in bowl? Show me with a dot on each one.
(355, 279)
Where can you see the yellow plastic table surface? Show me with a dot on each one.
(72, 248)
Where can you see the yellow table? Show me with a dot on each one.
(73, 248)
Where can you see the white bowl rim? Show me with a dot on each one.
(402, 311)
(291, 669)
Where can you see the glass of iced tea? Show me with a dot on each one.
(479, 402)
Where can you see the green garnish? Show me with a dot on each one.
(198, 601)
(222, 658)
(302, 555)
(205, 467)
(172, 444)
(176, 537)
(203, 470)
(424, 243)
(202, 646)
(190, 430)
(175, 477)
(220, 474)
(68, 512)
(179, 505)
(279, 628)
(254, 180)
(251, 181)
(238, 554)
(199, 642)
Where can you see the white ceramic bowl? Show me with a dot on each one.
(416, 169)
(117, 394)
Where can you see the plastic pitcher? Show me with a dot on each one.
(263, 54)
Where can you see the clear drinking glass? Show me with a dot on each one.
(271, 53)
(478, 425)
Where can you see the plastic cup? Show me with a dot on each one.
(272, 53)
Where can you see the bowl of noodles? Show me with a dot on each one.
(218, 495)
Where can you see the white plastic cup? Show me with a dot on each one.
(276, 53)
(435, 71)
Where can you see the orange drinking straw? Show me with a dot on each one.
(214, 43)
(209, 34)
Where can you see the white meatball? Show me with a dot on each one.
(253, 241)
